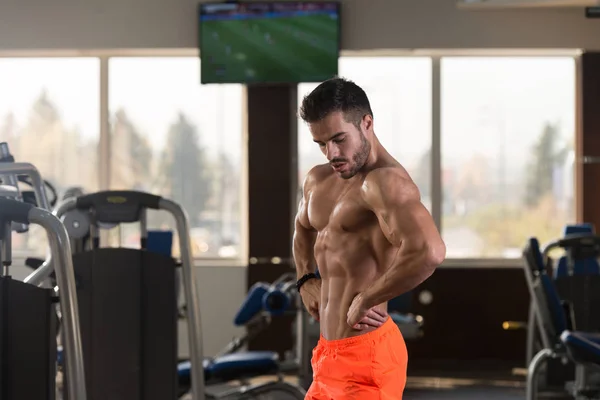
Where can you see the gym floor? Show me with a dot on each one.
(465, 384)
(440, 388)
(470, 382)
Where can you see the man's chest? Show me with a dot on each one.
(338, 208)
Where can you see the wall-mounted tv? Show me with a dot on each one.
(269, 42)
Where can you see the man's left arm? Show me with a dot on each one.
(409, 227)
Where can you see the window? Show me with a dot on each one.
(507, 143)
(174, 137)
(49, 116)
(399, 89)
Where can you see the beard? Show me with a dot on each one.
(358, 159)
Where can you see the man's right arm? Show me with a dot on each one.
(304, 241)
(304, 255)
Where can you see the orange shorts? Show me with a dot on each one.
(365, 367)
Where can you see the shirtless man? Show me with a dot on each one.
(361, 221)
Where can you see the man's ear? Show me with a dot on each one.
(367, 123)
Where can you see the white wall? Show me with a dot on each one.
(102, 24)
(222, 291)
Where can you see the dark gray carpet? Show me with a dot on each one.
(464, 388)
(469, 386)
(468, 393)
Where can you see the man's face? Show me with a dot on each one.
(344, 145)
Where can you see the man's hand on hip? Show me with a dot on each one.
(360, 317)
(311, 297)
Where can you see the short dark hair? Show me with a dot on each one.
(336, 95)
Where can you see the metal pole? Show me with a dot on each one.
(38, 276)
(65, 278)
(191, 294)
(532, 371)
(10, 170)
(436, 142)
(13, 169)
(6, 248)
(8, 159)
(302, 344)
(1, 251)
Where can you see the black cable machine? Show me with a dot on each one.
(128, 300)
(28, 320)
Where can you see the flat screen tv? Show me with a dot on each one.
(269, 42)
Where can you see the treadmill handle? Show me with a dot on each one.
(118, 206)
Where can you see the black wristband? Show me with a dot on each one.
(303, 280)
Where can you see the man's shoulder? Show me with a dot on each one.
(392, 182)
(317, 174)
(389, 176)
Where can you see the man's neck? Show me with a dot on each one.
(376, 153)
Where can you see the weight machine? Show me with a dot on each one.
(264, 302)
(27, 312)
(128, 304)
(554, 319)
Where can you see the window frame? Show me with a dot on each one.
(436, 56)
(104, 147)
(575, 54)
